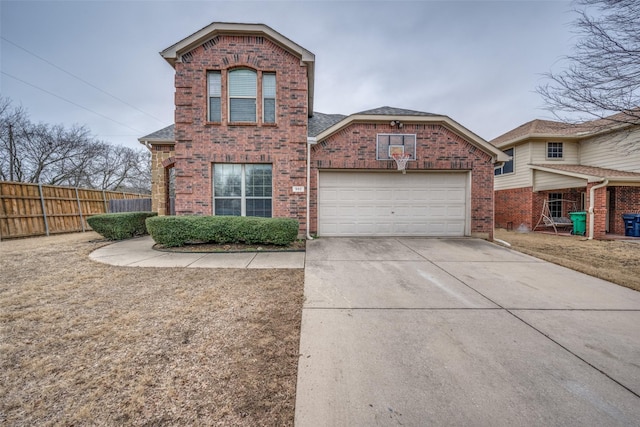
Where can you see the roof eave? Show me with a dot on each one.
(588, 177)
(529, 137)
(474, 139)
(156, 141)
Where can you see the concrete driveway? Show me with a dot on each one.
(417, 332)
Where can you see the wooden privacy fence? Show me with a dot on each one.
(129, 205)
(37, 210)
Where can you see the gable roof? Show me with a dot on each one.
(321, 126)
(386, 114)
(552, 129)
(174, 53)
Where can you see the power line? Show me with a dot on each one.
(71, 102)
(81, 79)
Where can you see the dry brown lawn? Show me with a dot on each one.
(617, 261)
(83, 343)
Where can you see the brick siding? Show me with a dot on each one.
(200, 144)
(437, 149)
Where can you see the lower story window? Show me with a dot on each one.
(555, 205)
(242, 189)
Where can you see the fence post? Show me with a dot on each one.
(80, 210)
(44, 209)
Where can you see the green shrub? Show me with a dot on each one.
(119, 226)
(177, 230)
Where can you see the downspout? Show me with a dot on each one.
(310, 141)
(592, 195)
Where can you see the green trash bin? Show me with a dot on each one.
(579, 220)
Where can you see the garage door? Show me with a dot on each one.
(392, 204)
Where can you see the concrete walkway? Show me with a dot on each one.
(439, 332)
(139, 253)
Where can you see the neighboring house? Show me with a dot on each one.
(246, 141)
(592, 166)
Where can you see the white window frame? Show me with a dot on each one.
(219, 73)
(229, 97)
(561, 151)
(559, 200)
(499, 171)
(243, 190)
(275, 97)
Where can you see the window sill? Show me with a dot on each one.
(242, 124)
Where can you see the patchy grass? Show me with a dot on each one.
(85, 343)
(617, 261)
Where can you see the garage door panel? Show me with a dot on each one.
(390, 204)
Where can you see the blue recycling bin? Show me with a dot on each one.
(631, 225)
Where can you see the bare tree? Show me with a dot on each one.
(603, 75)
(55, 155)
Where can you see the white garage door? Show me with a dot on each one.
(392, 204)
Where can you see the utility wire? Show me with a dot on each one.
(81, 79)
(71, 102)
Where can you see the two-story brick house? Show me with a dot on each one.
(592, 166)
(246, 141)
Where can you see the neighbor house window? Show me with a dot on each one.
(242, 95)
(269, 97)
(555, 205)
(554, 150)
(213, 82)
(507, 167)
(242, 189)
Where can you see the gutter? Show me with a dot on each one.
(592, 195)
(310, 141)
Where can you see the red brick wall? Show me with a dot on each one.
(625, 200)
(437, 149)
(523, 206)
(514, 207)
(200, 144)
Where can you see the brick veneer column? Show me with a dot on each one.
(599, 210)
(159, 182)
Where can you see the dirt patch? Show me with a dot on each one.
(85, 343)
(617, 261)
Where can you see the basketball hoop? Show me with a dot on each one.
(401, 160)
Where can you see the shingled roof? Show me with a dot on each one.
(320, 121)
(551, 129)
(392, 111)
(590, 173)
(164, 134)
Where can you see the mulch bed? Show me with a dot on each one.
(296, 246)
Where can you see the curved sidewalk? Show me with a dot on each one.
(139, 252)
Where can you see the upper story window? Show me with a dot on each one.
(269, 97)
(507, 167)
(242, 95)
(554, 150)
(215, 93)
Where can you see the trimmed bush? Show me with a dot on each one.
(172, 231)
(119, 226)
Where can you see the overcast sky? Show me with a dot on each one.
(477, 62)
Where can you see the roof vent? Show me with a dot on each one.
(211, 43)
(187, 57)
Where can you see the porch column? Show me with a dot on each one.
(160, 154)
(599, 210)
